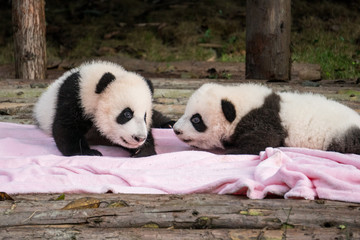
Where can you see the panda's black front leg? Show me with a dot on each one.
(71, 141)
(147, 149)
(253, 143)
(246, 148)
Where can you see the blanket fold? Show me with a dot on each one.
(31, 163)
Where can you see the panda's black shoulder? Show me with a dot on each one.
(261, 127)
(71, 83)
(69, 104)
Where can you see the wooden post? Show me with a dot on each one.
(268, 25)
(28, 18)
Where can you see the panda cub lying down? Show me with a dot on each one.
(102, 102)
(247, 118)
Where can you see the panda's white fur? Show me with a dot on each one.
(45, 107)
(313, 121)
(309, 120)
(127, 90)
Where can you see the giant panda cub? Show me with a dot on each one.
(102, 96)
(247, 118)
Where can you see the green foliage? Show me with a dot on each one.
(232, 58)
(332, 44)
(324, 33)
(337, 57)
(6, 53)
(206, 37)
(84, 48)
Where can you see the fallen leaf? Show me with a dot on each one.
(120, 203)
(4, 196)
(150, 225)
(82, 203)
(342, 227)
(61, 197)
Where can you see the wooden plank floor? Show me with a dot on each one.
(196, 216)
(17, 97)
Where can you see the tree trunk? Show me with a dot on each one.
(268, 25)
(29, 38)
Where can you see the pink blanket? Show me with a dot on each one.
(31, 163)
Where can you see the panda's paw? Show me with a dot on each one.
(247, 151)
(91, 152)
(145, 152)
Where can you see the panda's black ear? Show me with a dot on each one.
(104, 81)
(228, 110)
(150, 85)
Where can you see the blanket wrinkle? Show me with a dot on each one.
(31, 163)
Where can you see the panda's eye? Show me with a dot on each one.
(145, 117)
(195, 120)
(128, 114)
(198, 123)
(125, 116)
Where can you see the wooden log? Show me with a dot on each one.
(268, 26)
(197, 211)
(82, 232)
(43, 202)
(29, 38)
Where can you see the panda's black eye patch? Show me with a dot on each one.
(198, 123)
(125, 116)
(229, 110)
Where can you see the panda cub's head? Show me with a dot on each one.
(118, 102)
(208, 117)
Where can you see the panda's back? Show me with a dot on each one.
(45, 108)
(313, 121)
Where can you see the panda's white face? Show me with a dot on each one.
(119, 102)
(123, 114)
(203, 124)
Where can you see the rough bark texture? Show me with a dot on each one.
(268, 25)
(196, 216)
(29, 38)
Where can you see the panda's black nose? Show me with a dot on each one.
(177, 132)
(138, 138)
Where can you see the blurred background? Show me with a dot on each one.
(323, 32)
